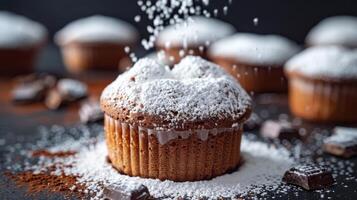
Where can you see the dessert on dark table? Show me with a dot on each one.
(174, 125)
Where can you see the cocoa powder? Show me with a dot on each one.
(46, 153)
(36, 183)
(45, 182)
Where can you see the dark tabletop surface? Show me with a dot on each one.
(19, 124)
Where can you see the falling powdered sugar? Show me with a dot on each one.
(164, 12)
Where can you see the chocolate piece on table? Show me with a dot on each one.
(54, 99)
(28, 93)
(279, 129)
(309, 177)
(117, 192)
(90, 111)
(254, 122)
(342, 143)
(71, 89)
(32, 88)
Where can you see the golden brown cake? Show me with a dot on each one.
(20, 42)
(183, 124)
(255, 60)
(192, 37)
(337, 30)
(323, 84)
(96, 42)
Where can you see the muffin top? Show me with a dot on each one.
(97, 29)
(325, 62)
(338, 30)
(161, 58)
(195, 94)
(19, 32)
(253, 49)
(195, 31)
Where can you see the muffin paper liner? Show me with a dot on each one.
(174, 155)
(323, 101)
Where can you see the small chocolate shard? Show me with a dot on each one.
(254, 122)
(118, 192)
(32, 88)
(71, 89)
(309, 177)
(54, 99)
(342, 143)
(90, 111)
(279, 129)
(66, 91)
(28, 93)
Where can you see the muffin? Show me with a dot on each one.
(255, 60)
(192, 37)
(20, 42)
(323, 84)
(183, 124)
(161, 58)
(96, 42)
(338, 30)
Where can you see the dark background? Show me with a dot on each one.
(291, 18)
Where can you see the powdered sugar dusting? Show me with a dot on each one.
(338, 30)
(97, 29)
(264, 50)
(263, 167)
(261, 171)
(17, 31)
(325, 62)
(194, 90)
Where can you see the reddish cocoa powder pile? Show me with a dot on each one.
(37, 183)
(59, 154)
(47, 182)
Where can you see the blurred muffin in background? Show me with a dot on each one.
(20, 42)
(192, 37)
(161, 58)
(96, 42)
(338, 30)
(255, 60)
(323, 84)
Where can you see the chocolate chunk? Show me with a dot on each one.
(118, 192)
(254, 122)
(309, 177)
(66, 91)
(343, 143)
(279, 129)
(28, 93)
(54, 99)
(32, 88)
(72, 90)
(90, 111)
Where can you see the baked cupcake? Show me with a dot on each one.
(96, 42)
(192, 37)
(323, 84)
(338, 30)
(183, 124)
(255, 60)
(20, 42)
(161, 58)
